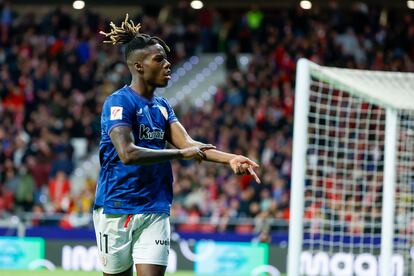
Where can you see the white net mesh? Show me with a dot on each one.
(393, 89)
(404, 209)
(345, 169)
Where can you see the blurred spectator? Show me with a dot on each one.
(59, 192)
(6, 200)
(78, 213)
(24, 189)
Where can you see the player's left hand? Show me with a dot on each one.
(242, 165)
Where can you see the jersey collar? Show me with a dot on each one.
(139, 96)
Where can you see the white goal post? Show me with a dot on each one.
(352, 190)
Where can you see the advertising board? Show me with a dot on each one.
(229, 258)
(19, 253)
(205, 257)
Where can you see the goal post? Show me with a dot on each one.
(298, 165)
(353, 173)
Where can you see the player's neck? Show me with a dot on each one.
(142, 89)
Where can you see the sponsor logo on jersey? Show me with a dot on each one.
(146, 134)
(139, 112)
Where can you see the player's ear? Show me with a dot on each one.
(139, 67)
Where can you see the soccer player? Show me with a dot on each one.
(134, 191)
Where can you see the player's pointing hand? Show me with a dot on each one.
(244, 166)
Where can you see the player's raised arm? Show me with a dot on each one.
(129, 153)
(240, 165)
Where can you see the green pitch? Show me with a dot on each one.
(60, 272)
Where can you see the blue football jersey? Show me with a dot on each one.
(134, 189)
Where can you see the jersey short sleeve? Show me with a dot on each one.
(171, 114)
(117, 111)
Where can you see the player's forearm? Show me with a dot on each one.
(142, 156)
(130, 154)
(216, 156)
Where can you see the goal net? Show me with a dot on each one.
(352, 202)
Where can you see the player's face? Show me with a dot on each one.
(157, 69)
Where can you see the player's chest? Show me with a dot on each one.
(150, 122)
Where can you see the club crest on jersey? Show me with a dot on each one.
(116, 113)
(146, 134)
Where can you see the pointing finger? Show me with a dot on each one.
(252, 172)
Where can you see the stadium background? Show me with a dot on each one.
(233, 86)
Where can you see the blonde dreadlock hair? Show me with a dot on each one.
(128, 33)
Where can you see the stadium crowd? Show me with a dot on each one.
(55, 74)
